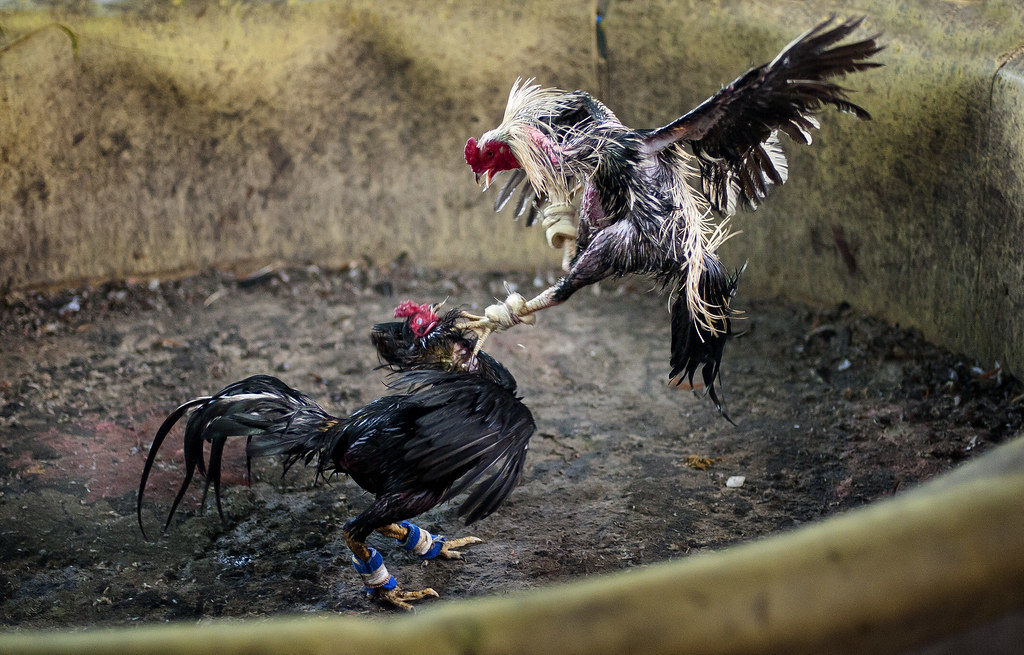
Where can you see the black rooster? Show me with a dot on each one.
(455, 422)
(637, 212)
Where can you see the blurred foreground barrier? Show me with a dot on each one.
(901, 573)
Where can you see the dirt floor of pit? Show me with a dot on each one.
(832, 410)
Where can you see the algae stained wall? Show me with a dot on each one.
(189, 135)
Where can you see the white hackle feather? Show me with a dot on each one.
(527, 104)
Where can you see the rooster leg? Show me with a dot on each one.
(500, 316)
(541, 301)
(418, 541)
(394, 531)
(604, 255)
(379, 583)
(367, 562)
(595, 263)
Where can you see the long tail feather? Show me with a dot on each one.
(158, 440)
(698, 346)
(216, 456)
(274, 418)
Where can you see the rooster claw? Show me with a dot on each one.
(400, 599)
(448, 549)
(481, 325)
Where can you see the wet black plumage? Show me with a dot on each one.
(449, 425)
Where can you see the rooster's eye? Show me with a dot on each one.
(419, 321)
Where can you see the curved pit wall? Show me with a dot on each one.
(174, 139)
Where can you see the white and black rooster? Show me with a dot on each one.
(620, 199)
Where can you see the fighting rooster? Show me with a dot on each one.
(455, 422)
(637, 212)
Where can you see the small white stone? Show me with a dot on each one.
(73, 306)
(735, 481)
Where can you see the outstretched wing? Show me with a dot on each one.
(472, 425)
(734, 133)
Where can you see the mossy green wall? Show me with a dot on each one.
(205, 134)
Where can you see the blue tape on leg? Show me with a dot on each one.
(435, 548)
(412, 538)
(387, 586)
(375, 561)
(373, 572)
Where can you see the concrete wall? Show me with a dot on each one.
(200, 138)
(204, 135)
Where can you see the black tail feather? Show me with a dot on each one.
(248, 460)
(274, 418)
(301, 436)
(694, 346)
(216, 455)
(193, 460)
(158, 440)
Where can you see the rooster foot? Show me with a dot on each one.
(448, 547)
(500, 316)
(481, 325)
(400, 599)
(418, 541)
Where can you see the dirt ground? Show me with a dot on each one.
(832, 410)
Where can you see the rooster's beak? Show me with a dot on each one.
(487, 176)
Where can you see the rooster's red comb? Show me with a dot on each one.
(472, 154)
(409, 308)
(420, 318)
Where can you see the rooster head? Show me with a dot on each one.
(421, 319)
(424, 339)
(490, 158)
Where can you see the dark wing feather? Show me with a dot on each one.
(529, 201)
(471, 428)
(734, 132)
